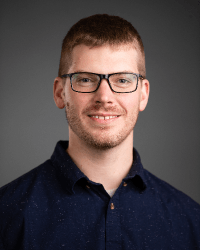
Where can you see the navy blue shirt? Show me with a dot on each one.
(55, 206)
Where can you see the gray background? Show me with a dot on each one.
(167, 133)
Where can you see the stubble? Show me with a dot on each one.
(103, 138)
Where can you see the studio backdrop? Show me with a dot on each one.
(167, 132)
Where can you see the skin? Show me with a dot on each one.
(100, 147)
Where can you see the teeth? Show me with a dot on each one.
(104, 117)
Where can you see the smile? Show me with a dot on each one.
(103, 117)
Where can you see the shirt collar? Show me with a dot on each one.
(68, 173)
(136, 172)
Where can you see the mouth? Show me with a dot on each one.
(103, 119)
(108, 117)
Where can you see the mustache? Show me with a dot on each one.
(102, 108)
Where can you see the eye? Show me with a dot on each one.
(123, 80)
(85, 79)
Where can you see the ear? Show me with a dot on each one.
(58, 93)
(145, 88)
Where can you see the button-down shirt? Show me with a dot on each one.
(55, 206)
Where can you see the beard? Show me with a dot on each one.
(102, 138)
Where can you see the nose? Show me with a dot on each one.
(104, 94)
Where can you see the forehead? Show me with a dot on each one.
(104, 59)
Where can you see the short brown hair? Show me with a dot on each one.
(97, 30)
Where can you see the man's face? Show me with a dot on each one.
(103, 119)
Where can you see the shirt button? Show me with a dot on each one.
(112, 206)
(124, 184)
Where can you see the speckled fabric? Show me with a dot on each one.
(55, 206)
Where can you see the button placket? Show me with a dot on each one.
(113, 223)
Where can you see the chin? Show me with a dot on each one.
(103, 142)
(103, 145)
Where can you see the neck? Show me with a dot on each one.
(107, 167)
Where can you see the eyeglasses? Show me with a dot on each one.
(86, 82)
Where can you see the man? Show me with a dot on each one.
(94, 193)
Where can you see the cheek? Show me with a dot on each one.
(70, 98)
(130, 103)
(75, 100)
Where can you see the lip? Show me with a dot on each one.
(103, 118)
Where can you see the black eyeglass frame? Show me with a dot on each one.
(102, 76)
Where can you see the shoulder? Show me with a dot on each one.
(173, 199)
(23, 199)
(17, 194)
(174, 209)
(26, 180)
